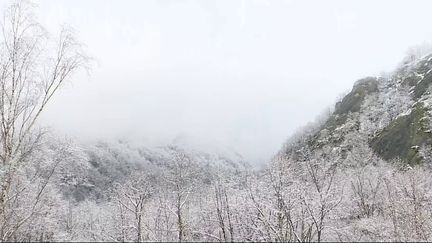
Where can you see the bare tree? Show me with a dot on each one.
(290, 226)
(133, 197)
(32, 69)
(224, 213)
(323, 194)
(366, 191)
(181, 178)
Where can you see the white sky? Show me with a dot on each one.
(241, 74)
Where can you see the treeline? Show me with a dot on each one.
(191, 199)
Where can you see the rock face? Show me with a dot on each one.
(388, 117)
(404, 136)
(354, 100)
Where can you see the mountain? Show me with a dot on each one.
(105, 164)
(388, 117)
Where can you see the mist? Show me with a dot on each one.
(215, 121)
(237, 75)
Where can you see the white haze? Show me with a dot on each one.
(223, 74)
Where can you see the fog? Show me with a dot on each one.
(242, 75)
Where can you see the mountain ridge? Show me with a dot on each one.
(391, 115)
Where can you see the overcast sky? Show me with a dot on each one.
(240, 74)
